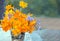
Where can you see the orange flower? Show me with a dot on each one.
(32, 23)
(23, 29)
(6, 25)
(17, 14)
(14, 32)
(23, 15)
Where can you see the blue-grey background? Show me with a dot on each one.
(1, 8)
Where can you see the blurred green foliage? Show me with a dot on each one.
(39, 7)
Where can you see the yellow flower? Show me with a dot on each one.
(9, 12)
(6, 13)
(8, 7)
(23, 4)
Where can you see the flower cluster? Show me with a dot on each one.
(17, 21)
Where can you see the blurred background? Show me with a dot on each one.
(39, 8)
(47, 11)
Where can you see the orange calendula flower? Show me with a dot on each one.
(23, 29)
(32, 23)
(6, 25)
(23, 4)
(14, 32)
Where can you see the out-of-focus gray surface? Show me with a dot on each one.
(49, 23)
(49, 35)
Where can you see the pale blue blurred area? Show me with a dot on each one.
(46, 35)
(49, 35)
(32, 37)
(27, 37)
(38, 35)
(5, 36)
